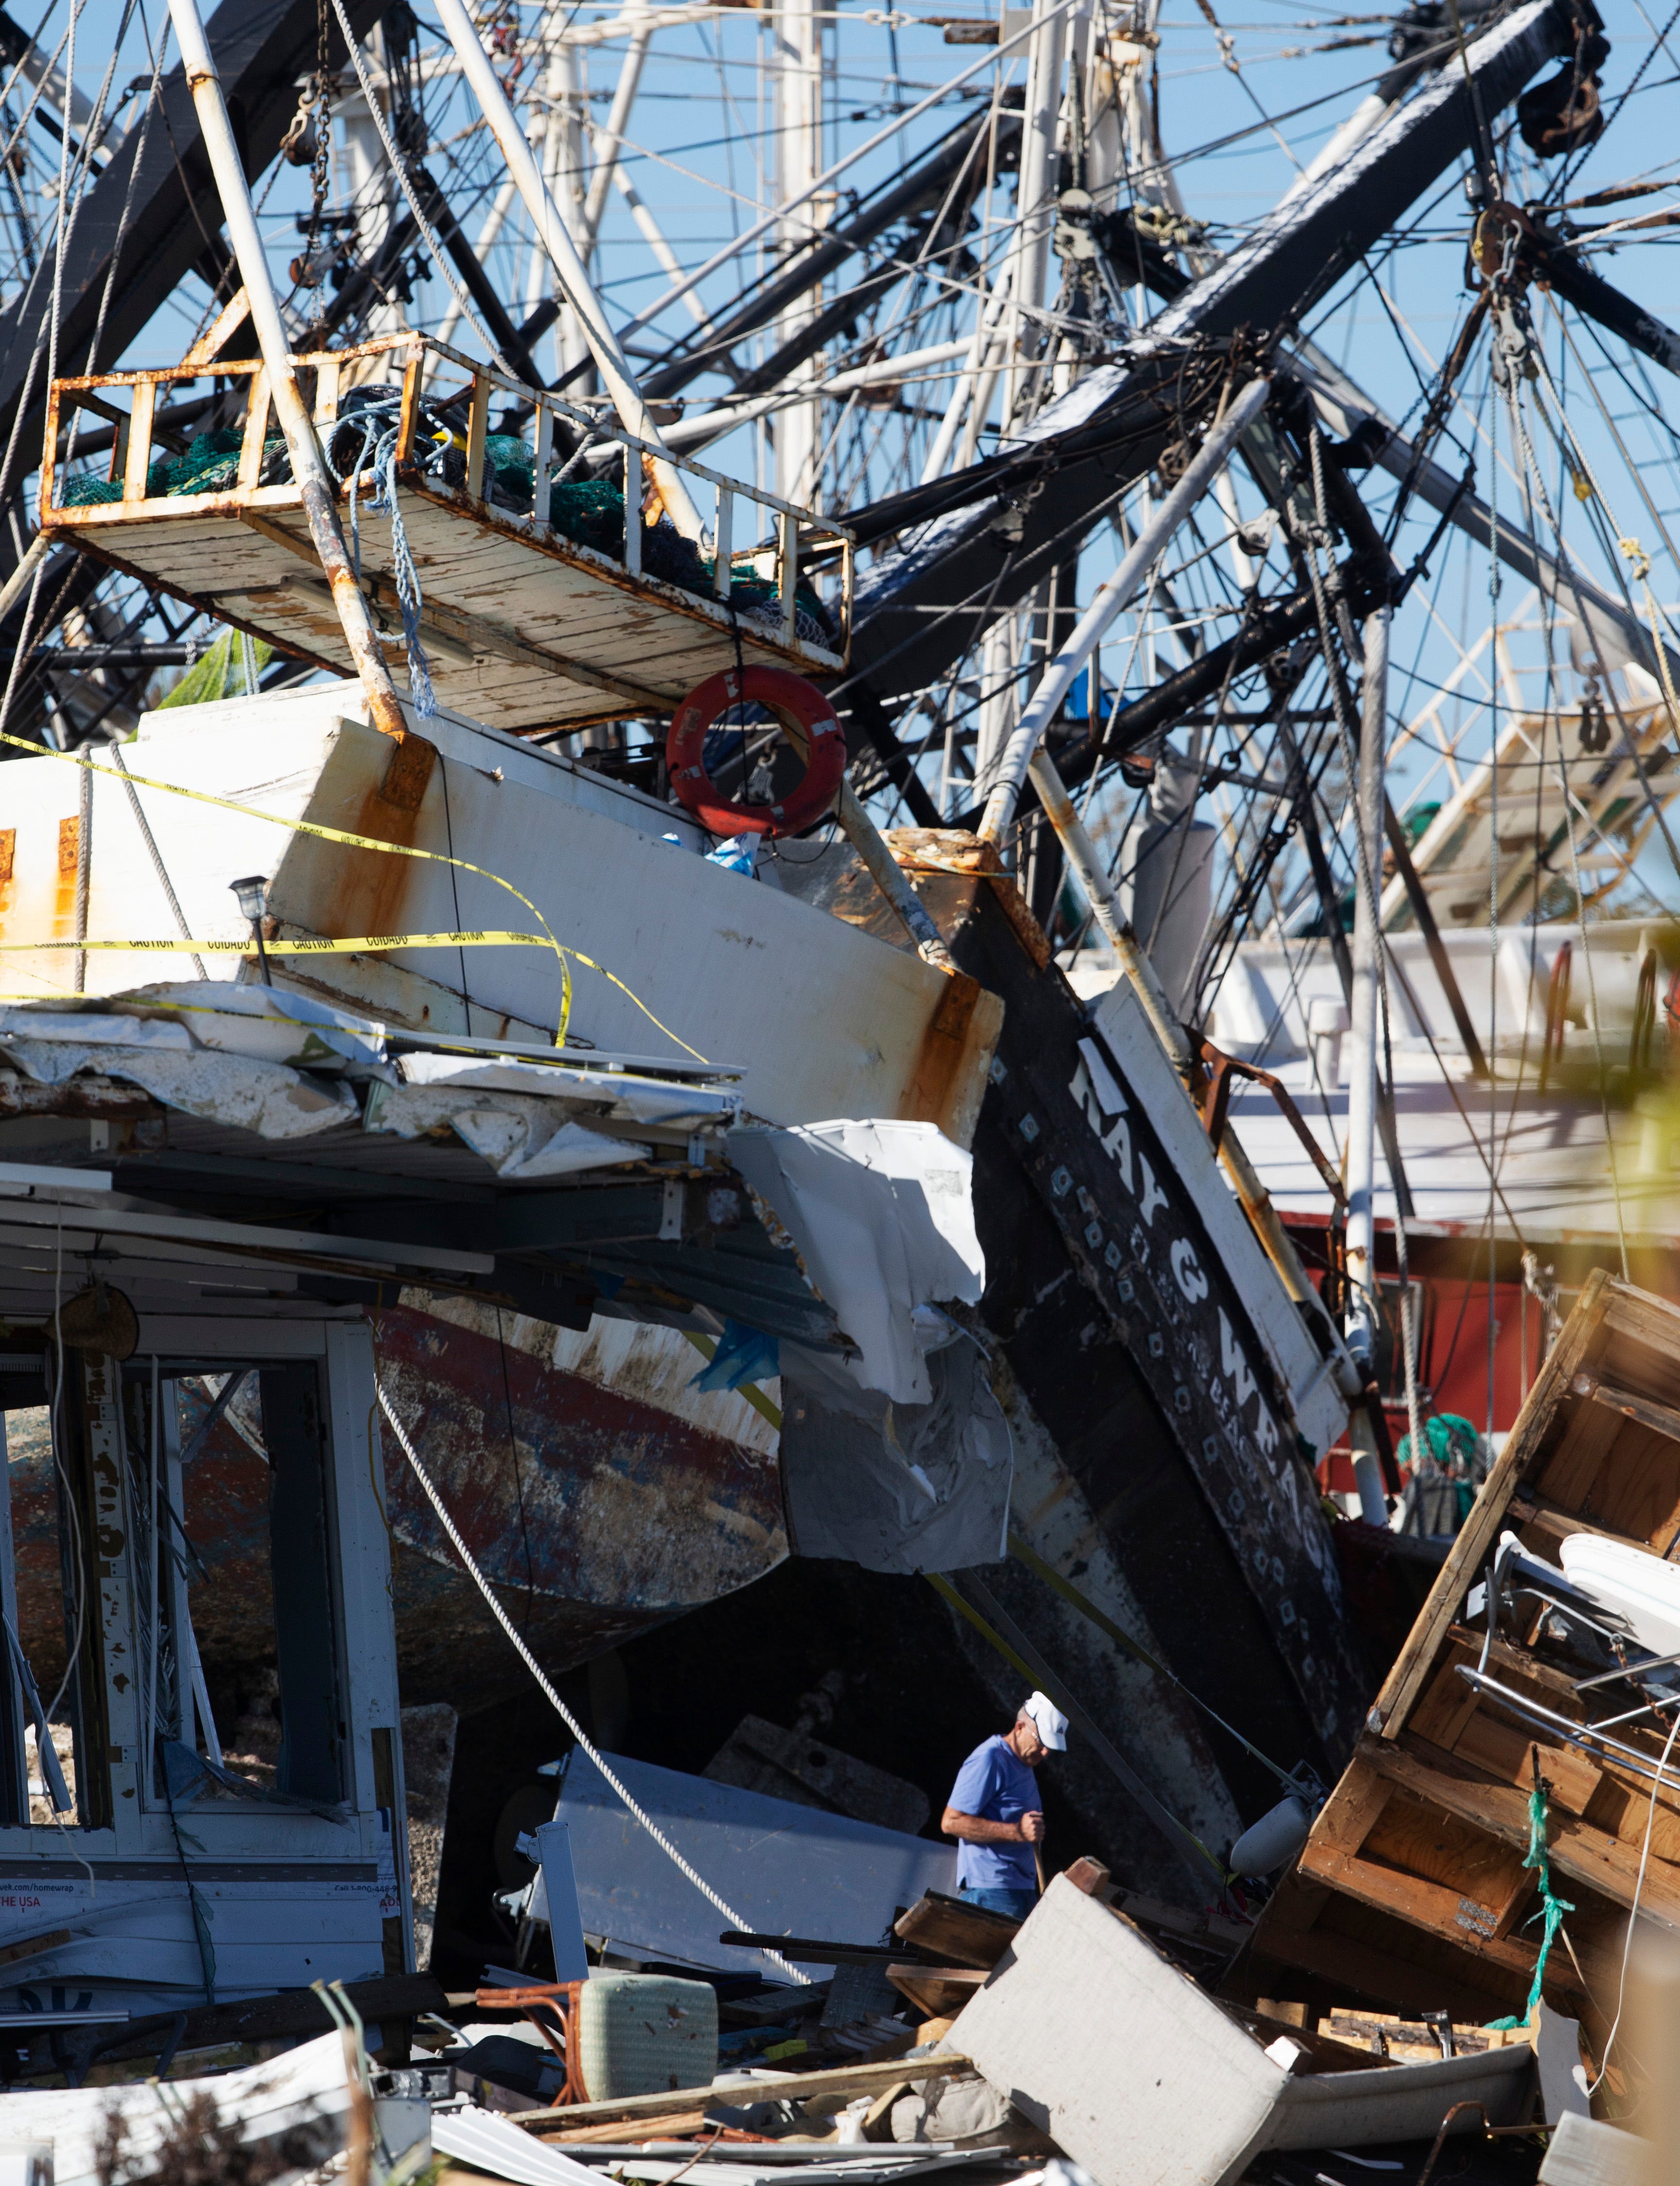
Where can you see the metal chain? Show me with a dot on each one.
(320, 168)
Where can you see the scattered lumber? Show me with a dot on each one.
(1140, 2076)
(668, 2126)
(1413, 1892)
(1414, 2040)
(848, 2080)
(938, 1991)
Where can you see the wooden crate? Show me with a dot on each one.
(1411, 1891)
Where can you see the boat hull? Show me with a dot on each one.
(597, 1511)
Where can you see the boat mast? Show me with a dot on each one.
(796, 34)
(308, 466)
(369, 191)
(479, 74)
(1362, 1318)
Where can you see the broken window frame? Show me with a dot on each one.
(343, 1817)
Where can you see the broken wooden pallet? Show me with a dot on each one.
(1412, 1891)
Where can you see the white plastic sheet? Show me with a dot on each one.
(881, 1215)
(521, 1139)
(896, 1487)
(787, 1870)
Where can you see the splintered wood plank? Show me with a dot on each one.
(844, 2079)
(1476, 1538)
(937, 1991)
(1352, 1809)
(1462, 1920)
(1507, 1753)
(1412, 2041)
(962, 1935)
(1416, 1838)
(1636, 1493)
(1644, 1350)
(1545, 1682)
(1649, 1413)
(1542, 1528)
(1447, 1703)
(1589, 1855)
(1622, 1809)
(1359, 1967)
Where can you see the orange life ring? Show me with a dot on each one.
(800, 708)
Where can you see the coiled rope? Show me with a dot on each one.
(553, 1698)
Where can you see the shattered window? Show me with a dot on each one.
(256, 1510)
(211, 1643)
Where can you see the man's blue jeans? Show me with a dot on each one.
(1014, 1904)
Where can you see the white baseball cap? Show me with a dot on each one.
(1049, 1721)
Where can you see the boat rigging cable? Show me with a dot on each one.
(635, 1811)
(399, 167)
(1533, 486)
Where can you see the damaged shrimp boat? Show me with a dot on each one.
(829, 1122)
(802, 1200)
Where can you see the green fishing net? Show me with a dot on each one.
(589, 511)
(208, 464)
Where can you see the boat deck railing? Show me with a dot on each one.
(568, 445)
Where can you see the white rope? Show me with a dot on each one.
(559, 1706)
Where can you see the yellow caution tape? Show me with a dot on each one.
(305, 945)
(546, 939)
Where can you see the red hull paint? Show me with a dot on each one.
(1459, 1370)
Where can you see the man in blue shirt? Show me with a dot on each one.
(994, 1812)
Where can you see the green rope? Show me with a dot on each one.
(1553, 1907)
